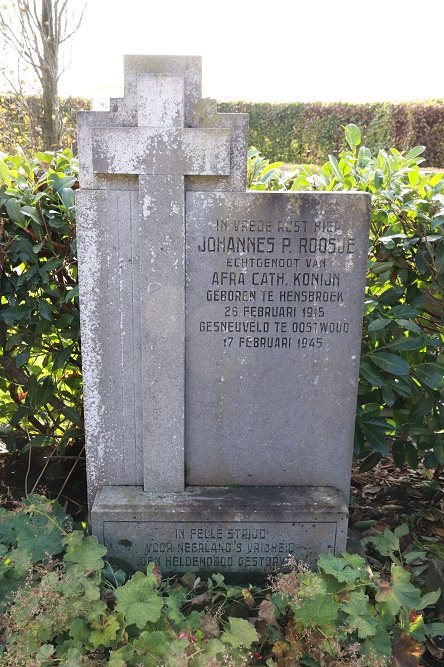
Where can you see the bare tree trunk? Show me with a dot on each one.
(33, 31)
(49, 68)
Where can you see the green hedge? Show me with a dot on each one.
(296, 133)
(308, 132)
(21, 123)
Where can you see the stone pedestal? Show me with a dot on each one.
(213, 529)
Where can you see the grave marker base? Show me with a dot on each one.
(249, 530)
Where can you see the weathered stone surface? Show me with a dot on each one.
(275, 285)
(220, 337)
(131, 255)
(228, 530)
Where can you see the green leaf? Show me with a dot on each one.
(369, 372)
(378, 324)
(434, 629)
(72, 294)
(45, 391)
(45, 652)
(375, 436)
(155, 644)
(32, 213)
(391, 296)
(415, 152)
(317, 612)
(388, 395)
(409, 325)
(58, 182)
(51, 264)
(14, 211)
(22, 358)
(338, 568)
(402, 386)
(429, 599)
(63, 357)
(334, 163)
(83, 550)
(139, 601)
(352, 135)
(399, 453)
(360, 616)
(399, 592)
(378, 646)
(407, 343)
(391, 363)
(4, 173)
(40, 537)
(16, 313)
(370, 462)
(104, 631)
(41, 440)
(429, 375)
(71, 414)
(239, 633)
(45, 310)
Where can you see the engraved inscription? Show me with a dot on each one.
(245, 546)
(274, 262)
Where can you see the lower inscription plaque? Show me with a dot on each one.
(223, 530)
(209, 547)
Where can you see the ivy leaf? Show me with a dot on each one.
(153, 644)
(338, 568)
(240, 633)
(399, 592)
(104, 631)
(45, 652)
(40, 537)
(79, 631)
(139, 601)
(359, 614)
(317, 612)
(84, 551)
(379, 645)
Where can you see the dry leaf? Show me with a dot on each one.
(248, 598)
(209, 625)
(407, 651)
(158, 574)
(201, 599)
(266, 612)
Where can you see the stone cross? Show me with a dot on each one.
(161, 151)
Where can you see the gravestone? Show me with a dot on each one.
(221, 337)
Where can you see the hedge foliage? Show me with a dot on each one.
(40, 366)
(21, 123)
(307, 132)
(295, 133)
